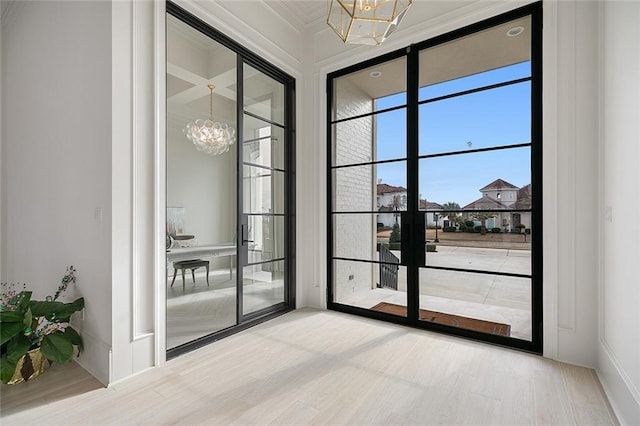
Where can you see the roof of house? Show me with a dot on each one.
(385, 209)
(428, 205)
(383, 188)
(498, 184)
(483, 203)
(524, 197)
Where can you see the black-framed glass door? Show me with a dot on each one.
(230, 213)
(435, 177)
(263, 202)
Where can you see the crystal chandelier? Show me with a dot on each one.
(366, 21)
(208, 136)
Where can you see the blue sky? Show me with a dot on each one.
(484, 119)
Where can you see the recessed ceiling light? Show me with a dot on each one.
(375, 74)
(515, 31)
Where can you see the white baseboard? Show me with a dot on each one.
(95, 357)
(624, 399)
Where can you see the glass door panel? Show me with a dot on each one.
(484, 58)
(479, 126)
(358, 131)
(201, 189)
(263, 201)
(483, 303)
(372, 89)
(264, 143)
(475, 174)
(369, 189)
(263, 286)
(380, 287)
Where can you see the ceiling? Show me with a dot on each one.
(307, 12)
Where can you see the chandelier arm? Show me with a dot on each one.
(211, 87)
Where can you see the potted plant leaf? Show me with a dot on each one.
(33, 332)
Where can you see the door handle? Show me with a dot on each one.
(245, 236)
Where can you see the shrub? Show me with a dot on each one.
(395, 234)
(393, 246)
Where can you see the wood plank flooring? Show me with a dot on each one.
(322, 367)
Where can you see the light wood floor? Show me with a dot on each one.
(321, 367)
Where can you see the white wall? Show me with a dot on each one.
(577, 198)
(137, 245)
(56, 94)
(618, 363)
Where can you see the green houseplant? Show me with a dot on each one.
(40, 327)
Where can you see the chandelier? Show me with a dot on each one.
(366, 21)
(208, 136)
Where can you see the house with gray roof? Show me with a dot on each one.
(502, 195)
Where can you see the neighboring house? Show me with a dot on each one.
(502, 195)
(392, 199)
(389, 201)
(431, 217)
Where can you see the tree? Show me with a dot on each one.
(482, 217)
(451, 211)
(396, 204)
(395, 234)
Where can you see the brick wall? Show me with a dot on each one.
(354, 142)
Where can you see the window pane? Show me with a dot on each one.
(358, 236)
(484, 119)
(373, 138)
(495, 251)
(262, 286)
(267, 236)
(354, 187)
(200, 189)
(492, 180)
(263, 96)
(459, 299)
(372, 89)
(370, 286)
(263, 190)
(480, 59)
(263, 143)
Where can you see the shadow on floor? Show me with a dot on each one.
(57, 383)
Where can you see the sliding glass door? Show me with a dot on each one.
(435, 162)
(230, 186)
(264, 195)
